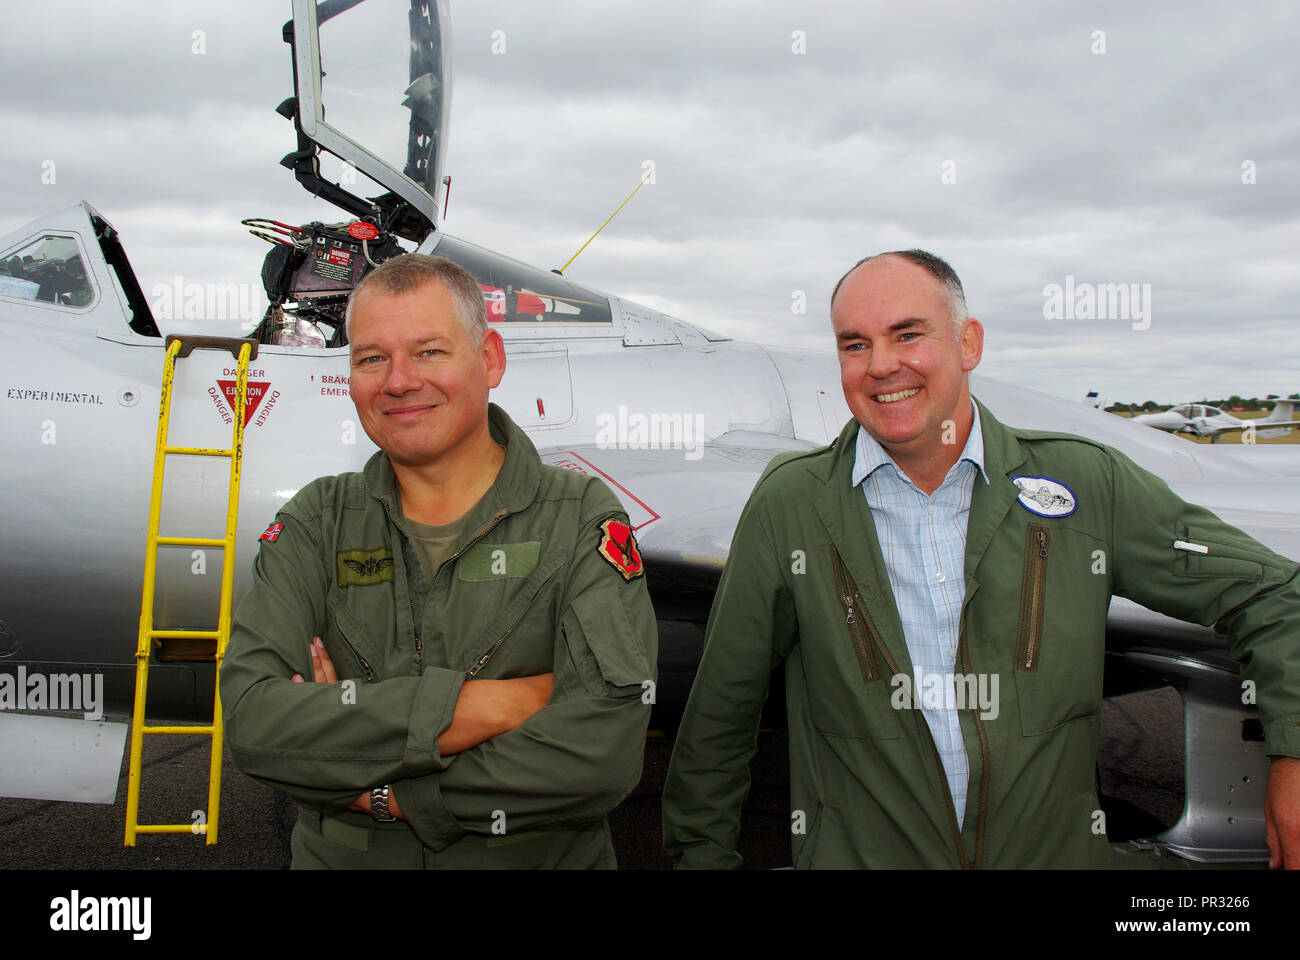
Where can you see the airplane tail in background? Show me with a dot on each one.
(1282, 412)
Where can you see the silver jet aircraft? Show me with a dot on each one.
(678, 420)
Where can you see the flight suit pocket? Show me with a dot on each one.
(1059, 641)
(526, 620)
(602, 644)
(1033, 597)
(344, 641)
(861, 629)
(1219, 559)
(847, 676)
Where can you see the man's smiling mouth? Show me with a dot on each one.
(895, 397)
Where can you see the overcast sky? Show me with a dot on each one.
(999, 136)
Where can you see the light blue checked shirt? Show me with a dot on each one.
(923, 541)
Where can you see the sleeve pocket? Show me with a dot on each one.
(603, 645)
(1228, 556)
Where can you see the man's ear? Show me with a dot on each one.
(972, 343)
(494, 357)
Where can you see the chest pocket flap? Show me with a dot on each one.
(498, 561)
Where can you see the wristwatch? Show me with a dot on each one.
(379, 805)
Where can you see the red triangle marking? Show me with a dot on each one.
(256, 391)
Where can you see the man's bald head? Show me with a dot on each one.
(935, 267)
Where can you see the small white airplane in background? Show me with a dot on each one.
(1207, 421)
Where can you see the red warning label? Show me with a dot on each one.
(256, 391)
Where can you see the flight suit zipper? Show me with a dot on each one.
(410, 595)
(481, 661)
(854, 611)
(861, 629)
(984, 752)
(487, 656)
(1033, 589)
(370, 674)
(415, 627)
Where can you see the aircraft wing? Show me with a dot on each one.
(683, 504)
(1265, 428)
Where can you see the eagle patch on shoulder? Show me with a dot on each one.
(618, 546)
(363, 568)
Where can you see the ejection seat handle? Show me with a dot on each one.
(189, 342)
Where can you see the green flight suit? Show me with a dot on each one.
(536, 586)
(867, 786)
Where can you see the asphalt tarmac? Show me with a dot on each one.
(1141, 769)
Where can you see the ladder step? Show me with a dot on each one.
(190, 542)
(171, 828)
(184, 634)
(200, 451)
(204, 731)
(187, 649)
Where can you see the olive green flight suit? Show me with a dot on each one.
(544, 580)
(806, 586)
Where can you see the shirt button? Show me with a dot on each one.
(940, 577)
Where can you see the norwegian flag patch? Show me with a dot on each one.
(618, 546)
(273, 531)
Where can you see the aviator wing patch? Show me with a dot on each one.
(618, 546)
(364, 568)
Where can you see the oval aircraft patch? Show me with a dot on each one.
(1045, 496)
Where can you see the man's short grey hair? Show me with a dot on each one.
(411, 271)
(936, 267)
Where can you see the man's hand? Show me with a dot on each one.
(322, 667)
(489, 708)
(1282, 814)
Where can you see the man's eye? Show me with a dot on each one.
(430, 352)
(908, 335)
(853, 347)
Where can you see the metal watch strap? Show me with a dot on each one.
(379, 805)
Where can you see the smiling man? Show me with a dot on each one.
(443, 658)
(931, 583)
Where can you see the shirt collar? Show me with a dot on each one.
(871, 456)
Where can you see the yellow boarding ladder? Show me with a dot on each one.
(181, 346)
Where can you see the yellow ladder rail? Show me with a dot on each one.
(244, 350)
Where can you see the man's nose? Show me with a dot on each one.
(402, 376)
(884, 361)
